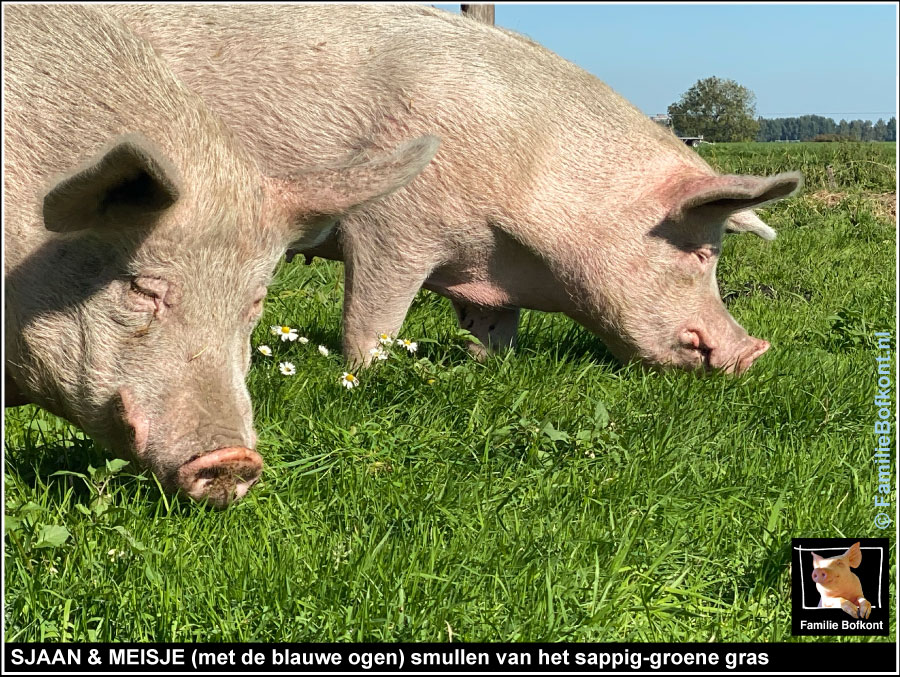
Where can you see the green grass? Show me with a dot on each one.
(550, 494)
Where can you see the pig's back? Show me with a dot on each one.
(340, 78)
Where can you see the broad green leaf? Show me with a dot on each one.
(51, 536)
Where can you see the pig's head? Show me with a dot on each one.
(667, 310)
(831, 573)
(157, 279)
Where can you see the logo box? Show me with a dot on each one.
(808, 618)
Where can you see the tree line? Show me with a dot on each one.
(816, 127)
(723, 110)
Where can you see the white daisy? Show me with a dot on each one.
(385, 340)
(411, 346)
(324, 351)
(378, 353)
(287, 368)
(303, 340)
(265, 350)
(348, 380)
(285, 332)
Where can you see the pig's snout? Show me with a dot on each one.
(820, 576)
(220, 477)
(732, 357)
(749, 354)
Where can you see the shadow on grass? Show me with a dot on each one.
(572, 342)
(35, 460)
(34, 466)
(771, 566)
(321, 336)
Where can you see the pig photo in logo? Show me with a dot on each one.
(840, 586)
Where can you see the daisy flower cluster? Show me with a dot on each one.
(287, 334)
(387, 342)
(379, 353)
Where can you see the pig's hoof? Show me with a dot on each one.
(478, 351)
(850, 608)
(864, 608)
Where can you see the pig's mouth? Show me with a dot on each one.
(220, 477)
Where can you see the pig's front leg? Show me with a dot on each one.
(379, 286)
(865, 609)
(848, 607)
(496, 328)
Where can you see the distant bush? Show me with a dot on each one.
(832, 137)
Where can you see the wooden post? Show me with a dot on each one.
(483, 13)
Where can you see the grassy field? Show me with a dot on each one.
(550, 494)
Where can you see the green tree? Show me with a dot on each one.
(720, 110)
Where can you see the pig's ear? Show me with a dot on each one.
(854, 555)
(129, 183)
(719, 196)
(748, 222)
(817, 559)
(314, 200)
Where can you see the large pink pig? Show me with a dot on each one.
(550, 191)
(139, 239)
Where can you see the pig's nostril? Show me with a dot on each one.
(220, 477)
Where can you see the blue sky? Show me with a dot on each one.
(838, 60)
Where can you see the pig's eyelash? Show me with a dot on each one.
(142, 292)
(149, 293)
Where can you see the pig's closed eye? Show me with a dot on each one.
(695, 260)
(147, 293)
(143, 291)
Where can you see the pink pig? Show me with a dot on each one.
(549, 191)
(839, 586)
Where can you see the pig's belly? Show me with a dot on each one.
(510, 286)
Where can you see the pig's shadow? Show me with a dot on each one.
(44, 467)
(575, 344)
(66, 271)
(35, 461)
(319, 336)
(773, 564)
